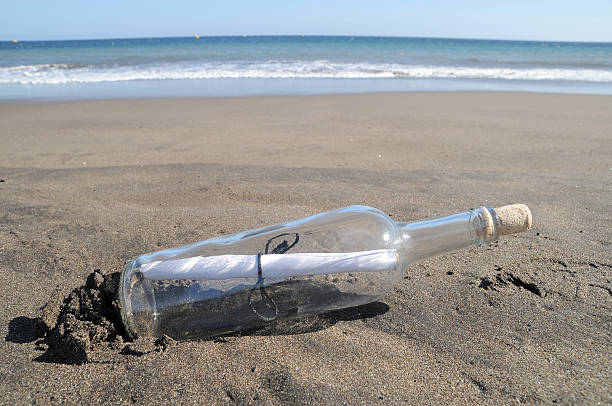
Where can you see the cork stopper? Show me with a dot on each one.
(514, 218)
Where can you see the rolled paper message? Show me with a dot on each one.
(221, 267)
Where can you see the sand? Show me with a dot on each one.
(92, 184)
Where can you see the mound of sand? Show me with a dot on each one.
(86, 324)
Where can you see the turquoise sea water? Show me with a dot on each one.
(226, 66)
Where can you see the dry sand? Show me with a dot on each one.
(92, 184)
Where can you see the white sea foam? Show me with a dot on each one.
(67, 73)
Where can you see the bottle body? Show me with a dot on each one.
(155, 301)
(342, 258)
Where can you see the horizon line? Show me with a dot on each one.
(198, 36)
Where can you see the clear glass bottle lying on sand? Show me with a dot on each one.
(342, 258)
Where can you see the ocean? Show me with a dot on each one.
(262, 65)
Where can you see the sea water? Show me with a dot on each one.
(253, 65)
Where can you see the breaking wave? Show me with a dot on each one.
(75, 73)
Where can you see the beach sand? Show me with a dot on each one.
(92, 184)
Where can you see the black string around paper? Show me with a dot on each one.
(281, 248)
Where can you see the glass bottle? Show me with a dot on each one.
(341, 258)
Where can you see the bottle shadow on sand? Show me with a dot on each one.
(24, 329)
(311, 324)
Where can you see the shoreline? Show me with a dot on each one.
(33, 101)
(223, 88)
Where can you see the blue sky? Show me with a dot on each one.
(541, 20)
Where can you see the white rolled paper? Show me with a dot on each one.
(272, 265)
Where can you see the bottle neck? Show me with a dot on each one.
(428, 238)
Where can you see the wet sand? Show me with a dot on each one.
(92, 184)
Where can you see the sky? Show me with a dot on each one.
(561, 20)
